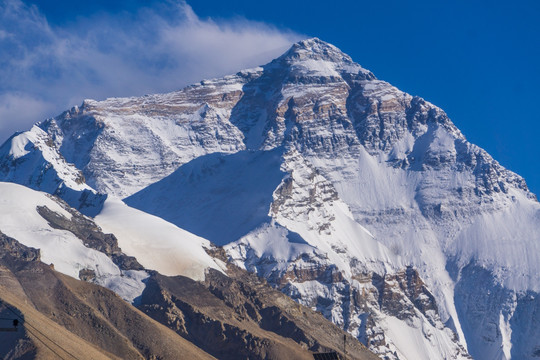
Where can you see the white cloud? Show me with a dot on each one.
(17, 109)
(46, 69)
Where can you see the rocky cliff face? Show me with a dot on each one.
(350, 196)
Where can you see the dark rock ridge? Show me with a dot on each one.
(91, 235)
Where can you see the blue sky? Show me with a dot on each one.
(478, 60)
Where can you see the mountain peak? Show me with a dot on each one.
(316, 49)
(314, 58)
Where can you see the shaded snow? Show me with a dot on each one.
(220, 197)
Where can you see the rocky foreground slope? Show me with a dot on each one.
(350, 196)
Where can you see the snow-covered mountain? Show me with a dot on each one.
(347, 194)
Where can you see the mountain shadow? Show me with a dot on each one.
(220, 197)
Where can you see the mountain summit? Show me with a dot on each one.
(314, 58)
(352, 197)
(317, 50)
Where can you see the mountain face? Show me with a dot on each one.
(348, 195)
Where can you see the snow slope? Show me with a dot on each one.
(157, 244)
(20, 220)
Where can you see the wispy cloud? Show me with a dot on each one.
(46, 68)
